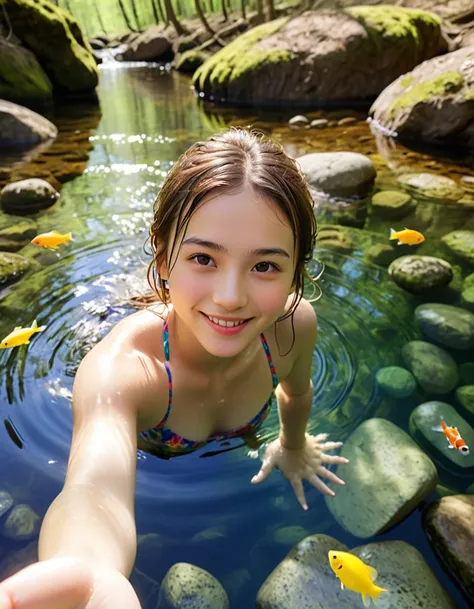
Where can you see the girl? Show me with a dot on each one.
(233, 229)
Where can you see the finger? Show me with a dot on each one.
(297, 485)
(320, 437)
(319, 484)
(331, 445)
(334, 459)
(47, 585)
(322, 471)
(263, 474)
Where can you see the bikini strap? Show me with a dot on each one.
(166, 349)
(270, 361)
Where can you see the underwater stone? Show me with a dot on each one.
(431, 186)
(461, 243)
(406, 574)
(450, 326)
(6, 502)
(391, 204)
(187, 586)
(396, 381)
(381, 254)
(22, 523)
(448, 524)
(28, 196)
(12, 268)
(21, 126)
(418, 274)
(465, 396)
(387, 477)
(425, 418)
(434, 368)
(16, 236)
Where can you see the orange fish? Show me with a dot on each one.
(51, 240)
(454, 438)
(407, 236)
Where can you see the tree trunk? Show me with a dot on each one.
(260, 14)
(242, 6)
(164, 17)
(171, 15)
(125, 16)
(211, 6)
(270, 10)
(224, 11)
(200, 13)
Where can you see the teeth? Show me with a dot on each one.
(226, 324)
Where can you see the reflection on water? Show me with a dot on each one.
(192, 509)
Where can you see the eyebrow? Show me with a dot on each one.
(263, 251)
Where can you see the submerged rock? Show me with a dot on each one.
(22, 523)
(418, 274)
(186, 586)
(387, 477)
(16, 236)
(448, 523)
(433, 102)
(433, 367)
(12, 268)
(396, 381)
(27, 196)
(424, 420)
(461, 243)
(450, 326)
(431, 186)
(381, 253)
(22, 127)
(392, 204)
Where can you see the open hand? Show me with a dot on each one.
(301, 464)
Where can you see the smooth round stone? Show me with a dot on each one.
(461, 243)
(298, 121)
(381, 254)
(22, 523)
(27, 196)
(418, 274)
(424, 420)
(433, 368)
(450, 326)
(465, 396)
(188, 586)
(391, 204)
(431, 186)
(319, 123)
(396, 381)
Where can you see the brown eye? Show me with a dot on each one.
(202, 259)
(265, 267)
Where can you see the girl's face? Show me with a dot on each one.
(232, 275)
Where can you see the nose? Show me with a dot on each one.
(230, 291)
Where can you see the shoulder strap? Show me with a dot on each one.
(270, 361)
(166, 349)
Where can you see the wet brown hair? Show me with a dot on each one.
(224, 163)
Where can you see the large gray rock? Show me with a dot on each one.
(321, 55)
(20, 126)
(27, 196)
(448, 524)
(338, 173)
(450, 326)
(419, 274)
(387, 477)
(433, 102)
(150, 44)
(433, 367)
(186, 586)
(424, 420)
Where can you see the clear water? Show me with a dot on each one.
(201, 508)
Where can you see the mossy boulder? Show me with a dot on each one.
(22, 79)
(386, 478)
(56, 39)
(461, 243)
(447, 325)
(12, 268)
(17, 235)
(420, 274)
(392, 204)
(448, 524)
(424, 429)
(396, 381)
(435, 101)
(189, 61)
(292, 59)
(434, 368)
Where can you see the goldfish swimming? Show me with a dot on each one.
(407, 236)
(355, 575)
(51, 240)
(454, 438)
(20, 336)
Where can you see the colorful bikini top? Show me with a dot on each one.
(165, 443)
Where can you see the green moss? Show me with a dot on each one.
(240, 57)
(406, 82)
(449, 82)
(189, 61)
(22, 79)
(469, 95)
(393, 21)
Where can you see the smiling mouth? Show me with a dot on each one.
(226, 323)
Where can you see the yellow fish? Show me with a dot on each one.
(20, 336)
(407, 236)
(51, 240)
(355, 575)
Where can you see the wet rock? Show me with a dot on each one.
(433, 368)
(16, 236)
(396, 381)
(27, 196)
(387, 477)
(467, 299)
(22, 523)
(336, 239)
(348, 120)
(12, 268)
(293, 59)
(22, 127)
(298, 121)
(148, 46)
(217, 534)
(381, 254)
(450, 326)
(319, 123)
(461, 243)
(431, 186)
(419, 274)
(186, 586)
(304, 579)
(338, 173)
(189, 61)
(465, 396)
(6, 502)
(405, 573)
(425, 418)
(391, 204)
(448, 523)
(433, 102)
